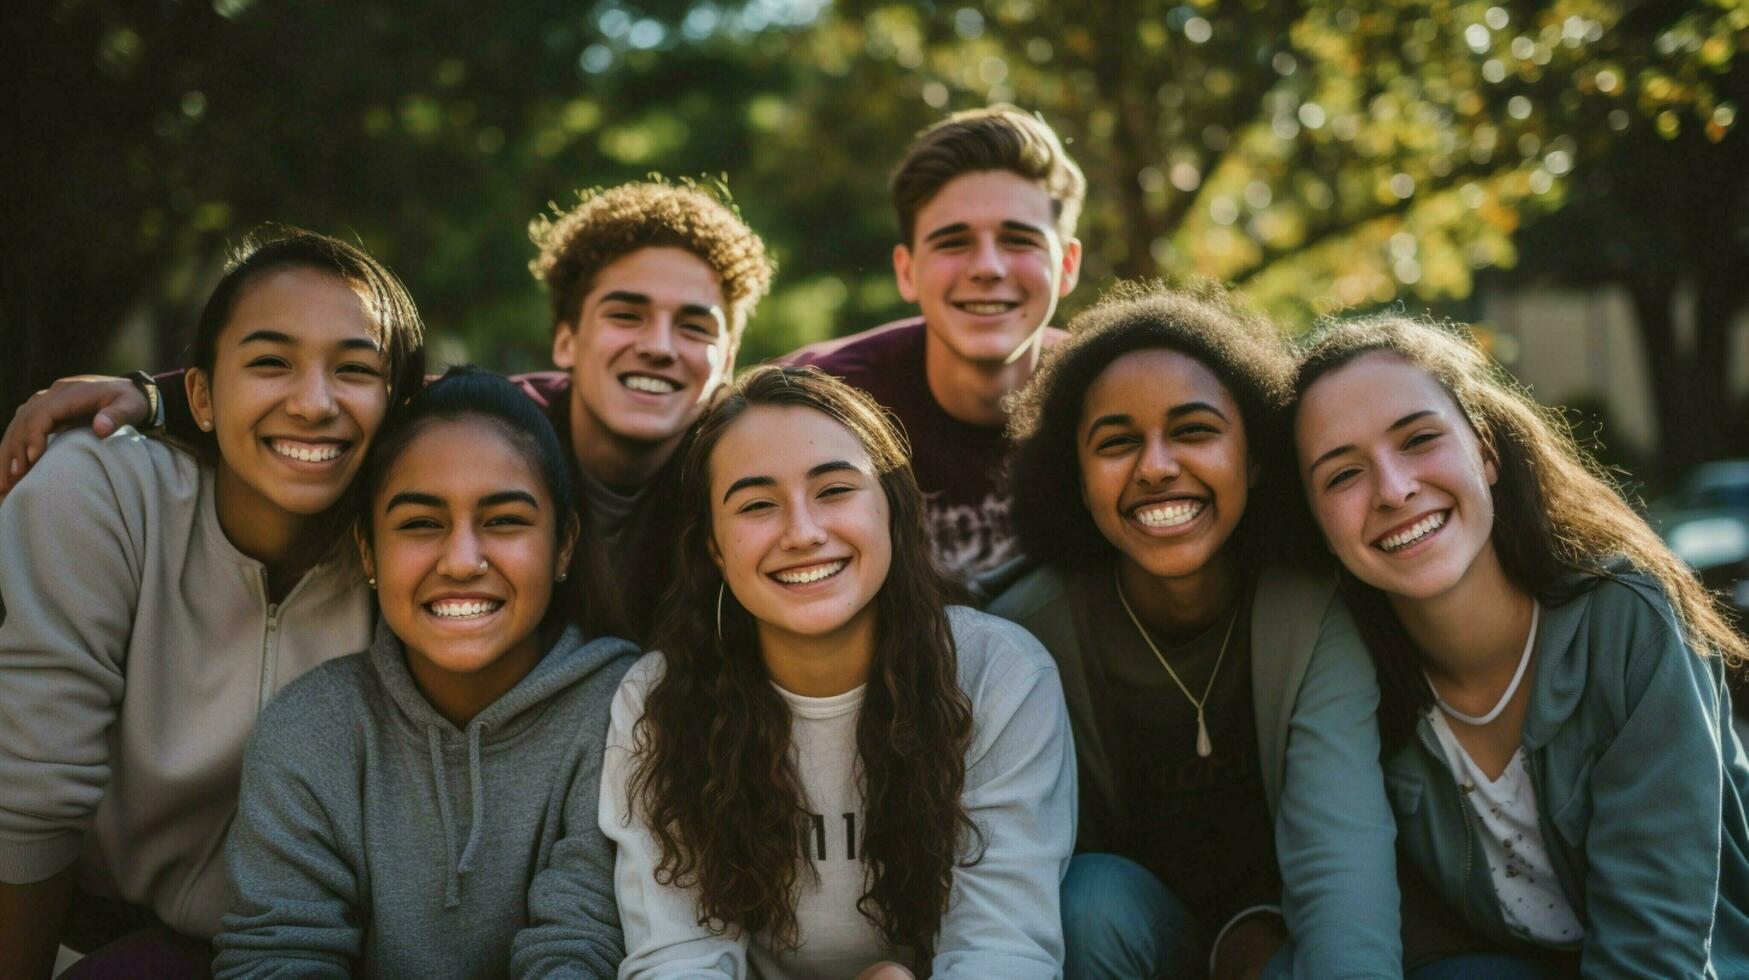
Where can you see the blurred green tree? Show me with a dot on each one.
(1328, 155)
(1324, 155)
(1662, 210)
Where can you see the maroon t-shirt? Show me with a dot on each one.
(959, 466)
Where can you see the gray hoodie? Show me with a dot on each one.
(374, 837)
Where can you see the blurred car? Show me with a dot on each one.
(1706, 523)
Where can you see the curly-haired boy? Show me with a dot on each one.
(651, 285)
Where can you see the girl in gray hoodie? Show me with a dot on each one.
(428, 807)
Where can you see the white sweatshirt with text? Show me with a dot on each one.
(1003, 917)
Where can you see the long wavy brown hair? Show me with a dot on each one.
(714, 777)
(1556, 511)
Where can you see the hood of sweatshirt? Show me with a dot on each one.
(567, 661)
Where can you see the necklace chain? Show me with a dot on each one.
(1511, 689)
(1204, 747)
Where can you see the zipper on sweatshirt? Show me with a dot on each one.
(269, 656)
(1425, 733)
(270, 635)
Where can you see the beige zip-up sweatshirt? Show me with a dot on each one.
(137, 648)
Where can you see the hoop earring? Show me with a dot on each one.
(720, 586)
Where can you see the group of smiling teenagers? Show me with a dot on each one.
(1336, 659)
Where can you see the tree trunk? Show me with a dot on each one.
(1654, 299)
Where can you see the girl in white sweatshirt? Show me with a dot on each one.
(829, 772)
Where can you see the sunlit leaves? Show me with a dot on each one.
(1292, 148)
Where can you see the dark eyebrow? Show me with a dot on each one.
(626, 296)
(1106, 420)
(1411, 417)
(1176, 411)
(509, 497)
(715, 313)
(275, 337)
(1394, 426)
(416, 499)
(832, 466)
(960, 227)
(1190, 408)
(957, 228)
(748, 481)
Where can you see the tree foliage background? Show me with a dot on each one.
(1323, 155)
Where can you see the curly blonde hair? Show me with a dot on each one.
(610, 223)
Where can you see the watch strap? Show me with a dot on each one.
(154, 400)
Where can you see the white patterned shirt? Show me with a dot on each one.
(1504, 813)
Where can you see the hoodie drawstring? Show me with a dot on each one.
(477, 792)
(452, 892)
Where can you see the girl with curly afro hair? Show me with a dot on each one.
(1201, 669)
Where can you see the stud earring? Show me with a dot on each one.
(372, 581)
(561, 576)
(206, 425)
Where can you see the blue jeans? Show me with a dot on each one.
(1121, 923)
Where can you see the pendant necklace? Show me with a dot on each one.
(1536, 609)
(1204, 747)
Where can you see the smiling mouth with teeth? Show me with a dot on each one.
(307, 452)
(649, 385)
(987, 308)
(1413, 533)
(463, 608)
(812, 573)
(1172, 513)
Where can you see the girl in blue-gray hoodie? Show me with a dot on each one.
(428, 807)
(1558, 745)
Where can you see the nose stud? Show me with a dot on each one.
(484, 566)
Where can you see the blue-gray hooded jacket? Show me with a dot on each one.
(1640, 783)
(375, 838)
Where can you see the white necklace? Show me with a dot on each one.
(1204, 747)
(1511, 689)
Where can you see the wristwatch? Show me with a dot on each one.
(154, 401)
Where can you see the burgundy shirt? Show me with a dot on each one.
(959, 466)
